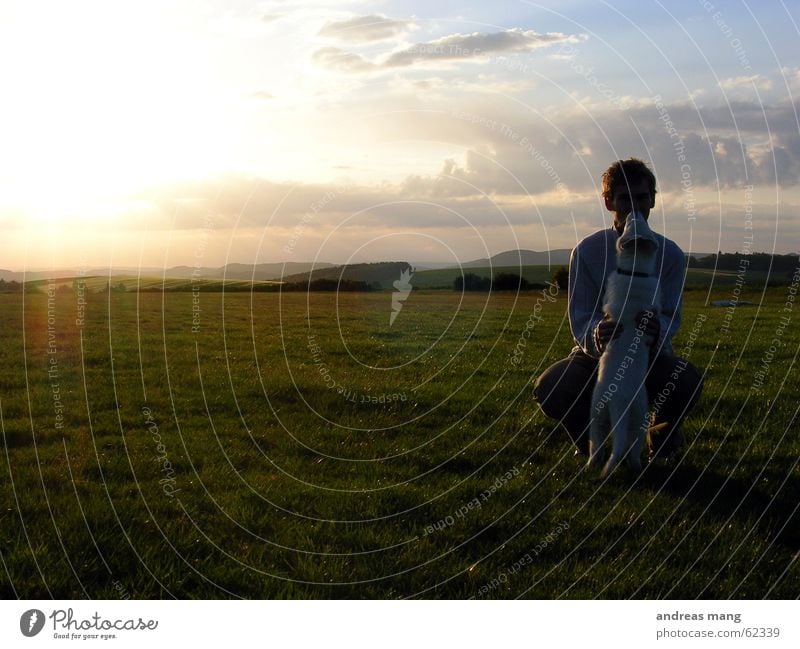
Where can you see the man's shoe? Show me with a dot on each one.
(582, 446)
(662, 446)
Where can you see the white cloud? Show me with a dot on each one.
(484, 83)
(791, 77)
(509, 150)
(756, 80)
(478, 46)
(261, 95)
(366, 29)
(475, 47)
(335, 58)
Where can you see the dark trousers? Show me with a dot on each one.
(564, 392)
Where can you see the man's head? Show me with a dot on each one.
(628, 185)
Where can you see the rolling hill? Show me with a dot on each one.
(383, 273)
(517, 258)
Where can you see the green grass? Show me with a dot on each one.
(281, 486)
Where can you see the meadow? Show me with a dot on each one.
(260, 445)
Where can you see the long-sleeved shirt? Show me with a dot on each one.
(590, 264)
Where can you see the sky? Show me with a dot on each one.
(157, 134)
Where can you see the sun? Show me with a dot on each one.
(98, 106)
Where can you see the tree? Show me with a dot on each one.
(561, 278)
(510, 282)
(471, 282)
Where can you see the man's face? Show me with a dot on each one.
(628, 198)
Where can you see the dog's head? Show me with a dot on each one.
(637, 237)
(637, 246)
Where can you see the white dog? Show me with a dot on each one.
(619, 401)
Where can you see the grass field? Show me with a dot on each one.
(283, 446)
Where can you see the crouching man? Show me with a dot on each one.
(564, 390)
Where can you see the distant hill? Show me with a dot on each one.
(56, 273)
(431, 265)
(259, 272)
(511, 258)
(383, 273)
(248, 271)
(380, 272)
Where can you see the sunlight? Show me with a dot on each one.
(97, 116)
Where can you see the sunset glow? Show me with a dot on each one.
(118, 117)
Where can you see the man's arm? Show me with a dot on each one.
(584, 304)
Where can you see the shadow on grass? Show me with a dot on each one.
(775, 516)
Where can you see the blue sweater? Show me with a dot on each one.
(590, 263)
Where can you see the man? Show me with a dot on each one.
(564, 390)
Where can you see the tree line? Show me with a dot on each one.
(506, 282)
(756, 261)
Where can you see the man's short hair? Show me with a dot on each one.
(629, 172)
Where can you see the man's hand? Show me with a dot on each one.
(606, 331)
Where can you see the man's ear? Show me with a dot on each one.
(609, 200)
(652, 201)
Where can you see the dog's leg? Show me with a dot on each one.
(640, 417)
(620, 416)
(598, 429)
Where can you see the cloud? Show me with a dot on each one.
(476, 47)
(243, 219)
(242, 202)
(791, 78)
(484, 83)
(757, 80)
(511, 150)
(335, 58)
(261, 95)
(503, 162)
(366, 29)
